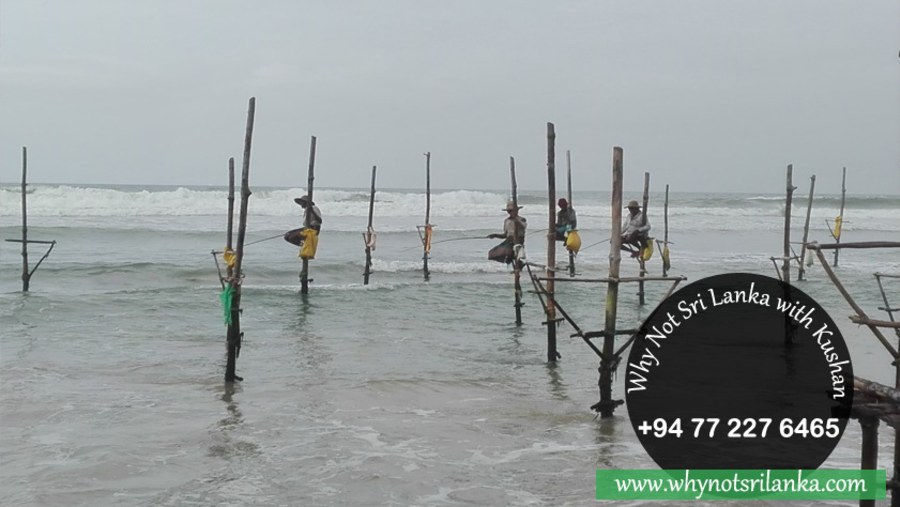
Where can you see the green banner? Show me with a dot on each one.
(741, 484)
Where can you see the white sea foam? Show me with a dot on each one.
(401, 211)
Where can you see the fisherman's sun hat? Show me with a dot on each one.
(633, 204)
(510, 205)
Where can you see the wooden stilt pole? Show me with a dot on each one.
(641, 262)
(26, 275)
(837, 237)
(235, 335)
(607, 405)
(869, 455)
(26, 272)
(665, 231)
(369, 231)
(229, 270)
(426, 241)
(517, 270)
(552, 354)
(569, 197)
(786, 261)
(790, 326)
(802, 269)
(304, 273)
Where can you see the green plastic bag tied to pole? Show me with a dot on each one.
(226, 297)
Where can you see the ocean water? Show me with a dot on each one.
(402, 392)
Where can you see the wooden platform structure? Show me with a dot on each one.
(609, 354)
(873, 403)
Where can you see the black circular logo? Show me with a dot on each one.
(739, 371)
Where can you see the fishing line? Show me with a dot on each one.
(254, 242)
(469, 237)
(597, 243)
(266, 239)
(459, 239)
(448, 240)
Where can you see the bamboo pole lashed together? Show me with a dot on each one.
(802, 269)
(517, 270)
(310, 178)
(235, 335)
(369, 235)
(607, 405)
(569, 197)
(552, 354)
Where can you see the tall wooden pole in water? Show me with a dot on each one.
(837, 236)
(786, 262)
(802, 269)
(665, 271)
(229, 270)
(304, 273)
(26, 272)
(26, 277)
(234, 331)
(641, 262)
(517, 270)
(369, 231)
(569, 197)
(869, 452)
(606, 406)
(426, 239)
(552, 354)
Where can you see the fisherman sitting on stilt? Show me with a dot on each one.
(312, 219)
(635, 229)
(513, 235)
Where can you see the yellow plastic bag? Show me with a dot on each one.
(647, 251)
(665, 258)
(310, 243)
(573, 242)
(229, 257)
(837, 227)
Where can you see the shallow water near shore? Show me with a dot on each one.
(401, 392)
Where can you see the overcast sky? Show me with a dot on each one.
(705, 95)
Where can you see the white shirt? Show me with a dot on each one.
(633, 223)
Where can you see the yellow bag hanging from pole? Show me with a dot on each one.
(837, 227)
(665, 258)
(310, 243)
(229, 257)
(573, 242)
(427, 238)
(647, 251)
